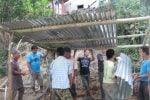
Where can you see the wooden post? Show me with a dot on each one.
(62, 4)
(10, 92)
(53, 7)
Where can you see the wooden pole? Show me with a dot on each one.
(53, 7)
(10, 92)
(62, 4)
(82, 24)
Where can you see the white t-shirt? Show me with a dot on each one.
(59, 70)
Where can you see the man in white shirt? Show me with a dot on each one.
(61, 73)
(71, 60)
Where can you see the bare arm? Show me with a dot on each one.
(44, 56)
(70, 79)
(70, 69)
(28, 64)
(94, 61)
(136, 76)
(16, 72)
(143, 76)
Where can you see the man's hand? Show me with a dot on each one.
(136, 76)
(32, 73)
(23, 73)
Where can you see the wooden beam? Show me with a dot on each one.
(83, 24)
(94, 39)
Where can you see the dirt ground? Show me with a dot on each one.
(95, 92)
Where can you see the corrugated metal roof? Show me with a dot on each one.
(91, 36)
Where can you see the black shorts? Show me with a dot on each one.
(73, 90)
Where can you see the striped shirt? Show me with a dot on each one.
(59, 70)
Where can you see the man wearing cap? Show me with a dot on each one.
(17, 82)
(34, 62)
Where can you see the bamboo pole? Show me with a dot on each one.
(83, 24)
(10, 92)
(4, 29)
(19, 43)
(90, 39)
(130, 46)
(5, 95)
(4, 83)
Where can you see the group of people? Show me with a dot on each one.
(33, 62)
(64, 69)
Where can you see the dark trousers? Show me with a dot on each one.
(73, 90)
(101, 74)
(143, 91)
(110, 90)
(20, 93)
(86, 81)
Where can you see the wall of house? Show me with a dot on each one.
(72, 5)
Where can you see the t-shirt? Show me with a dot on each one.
(34, 61)
(59, 70)
(84, 65)
(17, 81)
(109, 73)
(145, 68)
(101, 58)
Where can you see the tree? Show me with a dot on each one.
(11, 10)
(145, 7)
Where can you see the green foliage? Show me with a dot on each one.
(3, 61)
(11, 10)
(37, 8)
(145, 7)
(127, 8)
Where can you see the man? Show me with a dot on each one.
(33, 63)
(71, 60)
(17, 82)
(61, 73)
(143, 76)
(109, 81)
(85, 71)
(100, 58)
